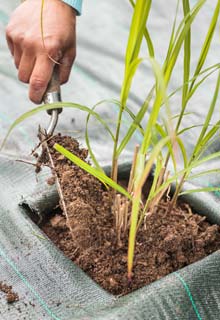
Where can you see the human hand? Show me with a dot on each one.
(31, 58)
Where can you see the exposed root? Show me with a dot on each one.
(44, 139)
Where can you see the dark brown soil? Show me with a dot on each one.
(165, 243)
(11, 296)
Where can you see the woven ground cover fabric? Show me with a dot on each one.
(42, 277)
(51, 287)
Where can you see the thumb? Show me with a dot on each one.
(40, 78)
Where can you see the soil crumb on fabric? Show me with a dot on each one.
(11, 296)
(166, 242)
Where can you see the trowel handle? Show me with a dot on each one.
(53, 92)
(54, 84)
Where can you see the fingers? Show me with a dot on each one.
(10, 44)
(66, 64)
(31, 55)
(26, 66)
(17, 56)
(39, 72)
(14, 41)
(40, 78)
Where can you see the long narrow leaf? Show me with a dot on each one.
(160, 96)
(172, 37)
(176, 49)
(213, 69)
(146, 35)
(200, 141)
(205, 189)
(136, 122)
(203, 173)
(93, 171)
(187, 54)
(140, 178)
(207, 42)
(34, 111)
(183, 151)
(141, 11)
(132, 232)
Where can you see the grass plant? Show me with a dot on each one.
(162, 142)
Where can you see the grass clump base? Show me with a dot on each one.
(166, 241)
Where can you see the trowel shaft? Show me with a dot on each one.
(53, 95)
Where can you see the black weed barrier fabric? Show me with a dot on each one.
(50, 286)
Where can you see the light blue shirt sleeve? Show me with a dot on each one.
(76, 4)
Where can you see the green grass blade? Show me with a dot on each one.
(34, 111)
(211, 140)
(87, 139)
(172, 37)
(201, 141)
(128, 80)
(205, 189)
(176, 116)
(190, 128)
(183, 151)
(141, 173)
(196, 163)
(146, 35)
(203, 173)
(160, 97)
(187, 173)
(141, 11)
(149, 43)
(197, 85)
(157, 171)
(187, 53)
(139, 20)
(93, 171)
(132, 232)
(178, 45)
(207, 42)
(154, 154)
(170, 146)
(213, 69)
(137, 120)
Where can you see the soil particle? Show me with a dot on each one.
(11, 296)
(51, 181)
(165, 243)
(31, 304)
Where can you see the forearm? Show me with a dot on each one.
(76, 4)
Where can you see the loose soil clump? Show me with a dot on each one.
(166, 242)
(11, 296)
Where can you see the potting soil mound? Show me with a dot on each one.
(166, 242)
